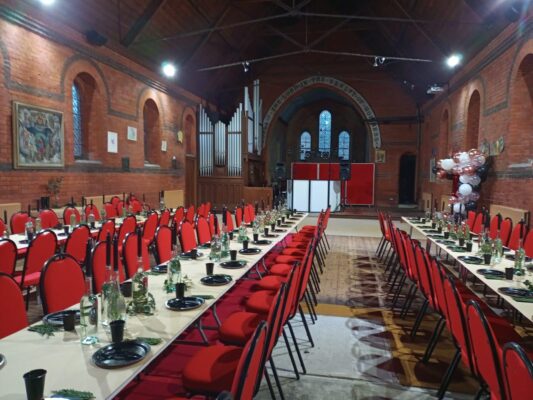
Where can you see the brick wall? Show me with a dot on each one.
(39, 71)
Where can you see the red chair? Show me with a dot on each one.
(12, 313)
(514, 240)
(76, 244)
(129, 224)
(41, 248)
(203, 231)
(110, 210)
(18, 222)
(179, 215)
(62, 283)
(67, 212)
(2, 227)
(528, 243)
(488, 334)
(8, 256)
(478, 223)
(238, 216)
(150, 225)
(470, 219)
(189, 215)
(129, 255)
(217, 368)
(229, 221)
(213, 224)
(201, 211)
(164, 219)
(247, 214)
(207, 208)
(91, 208)
(506, 226)
(136, 206)
(186, 236)
(517, 372)
(99, 268)
(120, 206)
(115, 200)
(163, 244)
(107, 227)
(48, 219)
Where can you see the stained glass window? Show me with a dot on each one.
(305, 145)
(76, 121)
(344, 146)
(324, 133)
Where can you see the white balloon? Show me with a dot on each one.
(459, 208)
(464, 178)
(474, 180)
(465, 189)
(447, 164)
(464, 157)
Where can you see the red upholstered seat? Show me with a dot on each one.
(260, 302)
(297, 245)
(271, 282)
(31, 279)
(293, 252)
(288, 259)
(238, 327)
(280, 269)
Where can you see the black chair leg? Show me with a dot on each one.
(269, 384)
(307, 331)
(434, 339)
(293, 362)
(304, 370)
(276, 378)
(409, 298)
(448, 376)
(419, 317)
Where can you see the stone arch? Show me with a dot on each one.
(473, 116)
(331, 83)
(188, 126)
(151, 129)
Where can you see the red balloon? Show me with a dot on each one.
(452, 200)
(469, 170)
(473, 152)
(457, 171)
(442, 174)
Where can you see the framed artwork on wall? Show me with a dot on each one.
(132, 133)
(380, 156)
(38, 137)
(112, 142)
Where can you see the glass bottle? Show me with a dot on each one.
(162, 203)
(173, 271)
(139, 289)
(498, 248)
(216, 248)
(72, 221)
(113, 303)
(103, 215)
(224, 239)
(38, 225)
(519, 260)
(29, 230)
(91, 218)
(83, 218)
(89, 308)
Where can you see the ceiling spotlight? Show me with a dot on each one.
(246, 66)
(169, 69)
(434, 89)
(375, 62)
(454, 60)
(47, 2)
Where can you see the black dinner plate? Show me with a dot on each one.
(489, 271)
(233, 264)
(204, 246)
(262, 242)
(188, 255)
(457, 249)
(116, 355)
(184, 304)
(436, 236)
(512, 257)
(216, 280)
(445, 241)
(270, 235)
(56, 319)
(160, 269)
(280, 230)
(515, 292)
(23, 241)
(506, 249)
(250, 250)
(471, 259)
(430, 231)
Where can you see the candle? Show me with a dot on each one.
(38, 205)
(123, 197)
(108, 250)
(91, 203)
(5, 216)
(174, 237)
(29, 209)
(115, 253)
(139, 243)
(499, 221)
(103, 198)
(521, 229)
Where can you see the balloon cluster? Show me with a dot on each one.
(468, 169)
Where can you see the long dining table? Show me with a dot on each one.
(69, 363)
(495, 284)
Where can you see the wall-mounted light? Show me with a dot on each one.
(454, 60)
(169, 69)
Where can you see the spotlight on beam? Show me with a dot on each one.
(454, 60)
(169, 69)
(246, 66)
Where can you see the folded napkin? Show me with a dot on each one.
(43, 329)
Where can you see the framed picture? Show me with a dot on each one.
(112, 142)
(380, 156)
(38, 137)
(132, 133)
(163, 145)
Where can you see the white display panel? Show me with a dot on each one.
(335, 195)
(319, 196)
(300, 195)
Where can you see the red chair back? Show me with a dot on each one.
(517, 372)
(478, 223)
(484, 349)
(41, 248)
(129, 255)
(528, 243)
(207, 207)
(110, 210)
(201, 212)
(136, 206)
(92, 208)
(107, 227)
(8, 256)
(514, 240)
(238, 216)
(186, 236)
(48, 219)
(18, 222)
(128, 225)
(2, 227)
(163, 244)
(67, 212)
(202, 230)
(179, 215)
(247, 214)
(62, 283)
(505, 230)
(229, 221)
(115, 200)
(12, 309)
(189, 215)
(150, 225)
(470, 219)
(76, 244)
(98, 265)
(120, 208)
(213, 225)
(165, 218)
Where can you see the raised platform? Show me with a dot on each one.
(371, 212)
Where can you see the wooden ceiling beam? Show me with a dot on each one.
(141, 22)
(328, 33)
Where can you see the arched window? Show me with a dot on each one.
(344, 146)
(324, 132)
(152, 134)
(305, 145)
(77, 121)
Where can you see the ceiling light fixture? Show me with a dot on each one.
(246, 66)
(454, 60)
(378, 61)
(434, 89)
(169, 69)
(47, 2)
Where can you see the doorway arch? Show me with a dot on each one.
(407, 179)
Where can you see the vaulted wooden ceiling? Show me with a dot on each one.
(209, 39)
